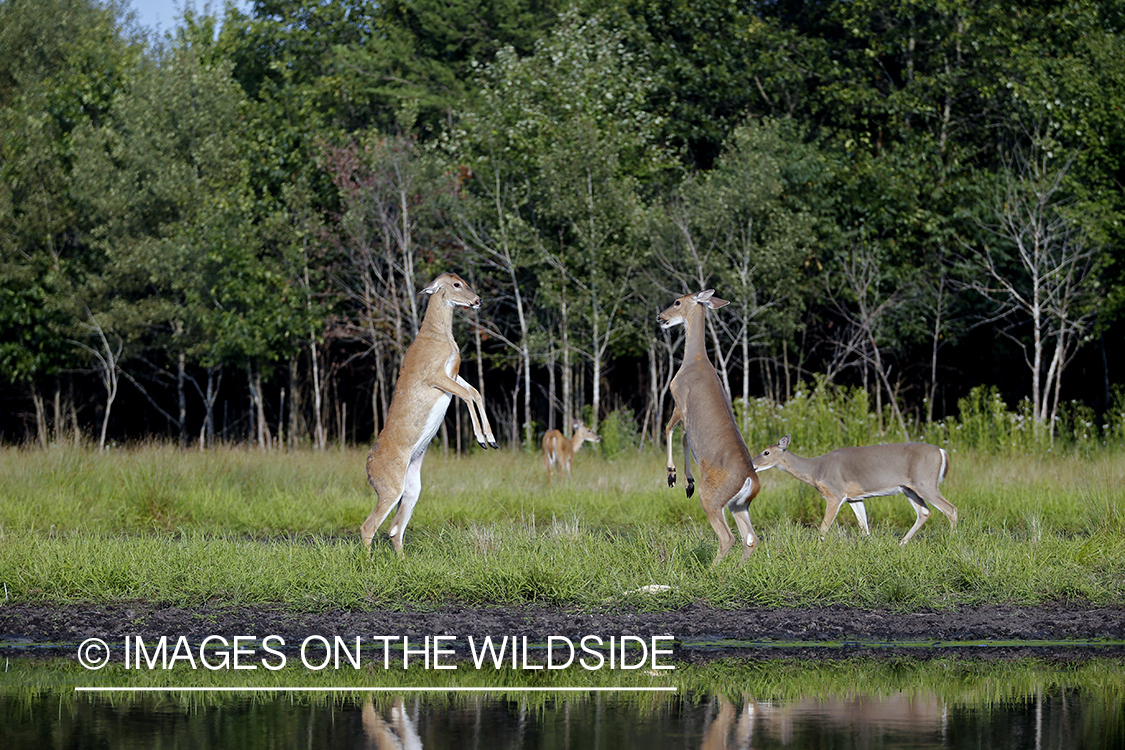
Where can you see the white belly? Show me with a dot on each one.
(433, 424)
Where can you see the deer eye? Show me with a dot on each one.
(765, 453)
(677, 303)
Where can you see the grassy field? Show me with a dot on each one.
(236, 526)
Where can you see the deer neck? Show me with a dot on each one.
(695, 344)
(575, 444)
(805, 469)
(438, 320)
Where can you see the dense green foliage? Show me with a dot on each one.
(220, 235)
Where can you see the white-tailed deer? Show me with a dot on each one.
(853, 474)
(559, 449)
(727, 477)
(427, 381)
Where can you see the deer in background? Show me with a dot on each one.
(853, 474)
(727, 477)
(559, 449)
(427, 381)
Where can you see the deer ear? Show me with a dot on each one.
(433, 287)
(783, 443)
(702, 297)
(715, 303)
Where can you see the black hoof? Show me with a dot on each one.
(483, 444)
(671, 479)
(690, 489)
(494, 446)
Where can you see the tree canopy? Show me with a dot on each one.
(913, 198)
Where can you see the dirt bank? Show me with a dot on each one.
(700, 630)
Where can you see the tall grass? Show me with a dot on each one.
(234, 526)
(1040, 521)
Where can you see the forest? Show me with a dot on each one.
(220, 236)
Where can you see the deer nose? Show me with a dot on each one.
(476, 303)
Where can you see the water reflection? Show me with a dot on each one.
(854, 703)
(396, 733)
(1064, 718)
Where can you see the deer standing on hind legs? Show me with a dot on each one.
(427, 381)
(727, 477)
(853, 474)
(557, 448)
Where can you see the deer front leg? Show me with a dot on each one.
(478, 400)
(830, 512)
(690, 489)
(471, 396)
(677, 416)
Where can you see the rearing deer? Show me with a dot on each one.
(854, 474)
(427, 381)
(557, 448)
(727, 477)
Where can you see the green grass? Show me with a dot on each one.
(233, 526)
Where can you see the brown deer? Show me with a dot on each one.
(727, 477)
(557, 448)
(854, 474)
(427, 381)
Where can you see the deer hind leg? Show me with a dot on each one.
(715, 497)
(739, 507)
(548, 458)
(389, 494)
(921, 511)
(938, 501)
(860, 515)
(412, 488)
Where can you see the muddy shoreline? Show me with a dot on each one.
(1057, 631)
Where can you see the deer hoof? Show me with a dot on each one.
(690, 489)
(482, 444)
(494, 445)
(671, 477)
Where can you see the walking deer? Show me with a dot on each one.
(854, 474)
(727, 477)
(557, 448)
(427, 381)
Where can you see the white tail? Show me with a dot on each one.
(427, 382)
(558, 449)
(853, 474)
(727, 478)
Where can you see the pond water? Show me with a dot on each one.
(726, 704)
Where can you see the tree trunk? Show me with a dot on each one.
(181, 398)
(40, 416)
(568, 405)
(60, 418)
(552, 391)
(320, 439)
(214, 378)
(597, 374)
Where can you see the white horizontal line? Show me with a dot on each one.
(187, 689)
